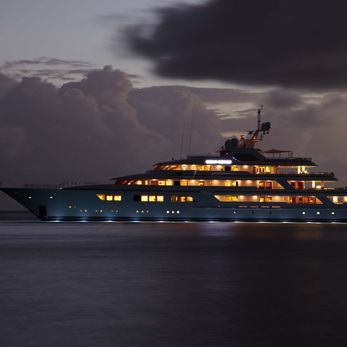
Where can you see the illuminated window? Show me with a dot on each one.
(265, 185)
(338, 199)
(184, 182)
(101, 196)
(109, 197)
(117, 197)
(227, 198)
(182, 198)
(149, 198)
(304, 200)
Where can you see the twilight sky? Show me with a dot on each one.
(64, 116)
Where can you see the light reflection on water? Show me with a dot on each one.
(167, 284)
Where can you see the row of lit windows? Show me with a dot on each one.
(213, 183)
(107, 197)
(149, 198)
(160, 198)
(182, 198)
(249, 168)
(256, 198)
(146, 198)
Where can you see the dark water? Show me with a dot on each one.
(189, 284)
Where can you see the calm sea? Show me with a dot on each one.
(165, 284)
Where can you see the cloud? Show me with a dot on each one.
(54, 70)
(299, 44)
(96, 128)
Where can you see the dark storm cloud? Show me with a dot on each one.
(95, 128)
(273, 43)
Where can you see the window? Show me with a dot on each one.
(101, 196)
(182, 198)
(109, 197)
(149, 198)
(265, 185)
(304, 200)
(227, 198)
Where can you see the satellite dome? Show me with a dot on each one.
(231, 143)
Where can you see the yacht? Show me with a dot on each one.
(240, 182)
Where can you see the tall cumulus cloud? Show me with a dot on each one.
(96, 128)
(295, 43)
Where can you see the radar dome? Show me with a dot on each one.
(231, 143)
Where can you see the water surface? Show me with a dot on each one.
(166, 284)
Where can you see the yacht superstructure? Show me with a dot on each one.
(241, 183)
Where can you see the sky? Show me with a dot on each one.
(95, 89)
(81, 30)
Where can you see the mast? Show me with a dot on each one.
(259, 117)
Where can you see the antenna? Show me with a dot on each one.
(259, 117)
(190, 132)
